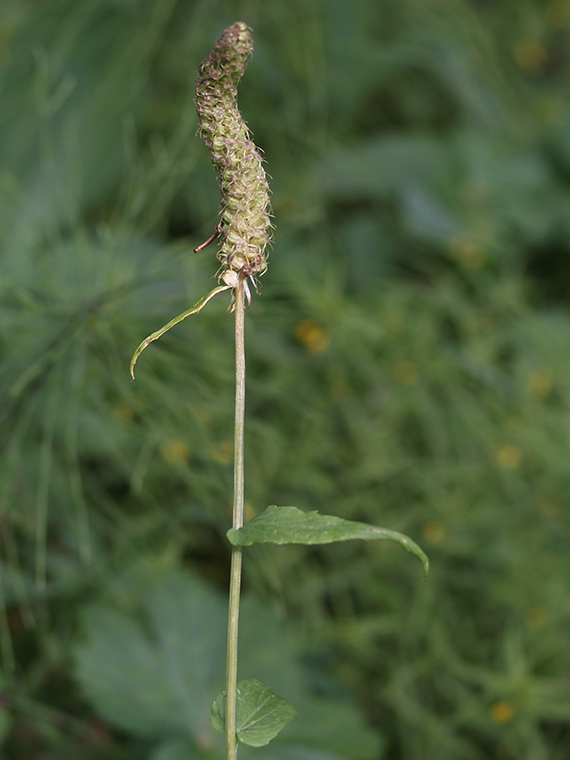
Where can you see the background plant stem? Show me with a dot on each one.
(235, 573)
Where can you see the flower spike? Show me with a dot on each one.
(245, 215)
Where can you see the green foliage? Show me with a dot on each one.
(261, 714)
(152, 657)
(408, 363)
(289, 525)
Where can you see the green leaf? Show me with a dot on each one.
(150, 660)
(196, 309)
(261, 714)
(154, 673)
(289, 525)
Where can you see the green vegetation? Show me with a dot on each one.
(247, 711)
(408, 366)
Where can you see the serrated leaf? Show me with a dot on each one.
(261, 714)
(289, 525)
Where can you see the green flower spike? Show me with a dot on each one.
(245, 213)
(244, 225)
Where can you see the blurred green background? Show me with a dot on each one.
(408, 365)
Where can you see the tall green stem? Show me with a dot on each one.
(235, 574)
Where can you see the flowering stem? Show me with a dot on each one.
(237, 522)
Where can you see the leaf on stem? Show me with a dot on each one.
(159, 333)
(261, 714)
(289, 525)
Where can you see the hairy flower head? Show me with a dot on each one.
(244, 224)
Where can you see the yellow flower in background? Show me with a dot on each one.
(540, 384)
(312, 336)
(509, 456)
(530, 55)
(406, 372)
(123, 413)
(434, 532)
(468, 251)
(174, 452)
(502, 712)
